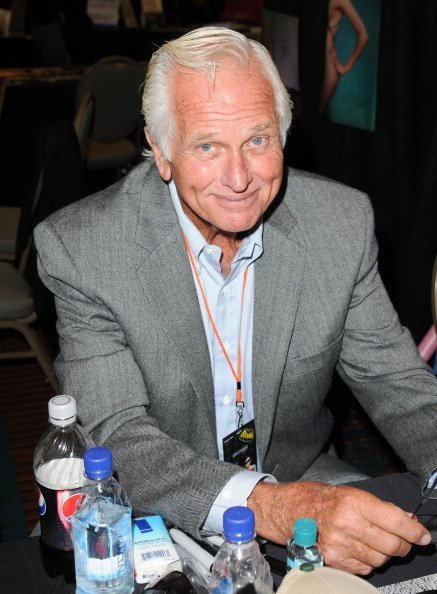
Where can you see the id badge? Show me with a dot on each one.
(239, 447)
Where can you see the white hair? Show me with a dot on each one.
(202, 50)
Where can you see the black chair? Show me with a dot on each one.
(115, 133)
(58, 178)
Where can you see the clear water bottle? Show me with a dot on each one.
(302, 546)
(239, 563)
(102, 530)
(58, 470)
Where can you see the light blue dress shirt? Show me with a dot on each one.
(224, 295)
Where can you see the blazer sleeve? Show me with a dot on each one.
(95, 365)
(380, 363)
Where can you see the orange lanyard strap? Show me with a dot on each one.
(239, 402)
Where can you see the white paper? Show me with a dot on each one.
(104, 12)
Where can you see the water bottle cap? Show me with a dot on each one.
(239, 524)
(62, 410)
(305, 532)
(98, 463)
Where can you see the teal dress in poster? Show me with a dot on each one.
(349, 88)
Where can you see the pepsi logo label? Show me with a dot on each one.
(42, 507)
(69, 506)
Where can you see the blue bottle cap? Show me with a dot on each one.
(305, 532)
(238, 524)
(98, 463)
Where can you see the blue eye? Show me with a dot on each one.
(206, 147)
(257, 140)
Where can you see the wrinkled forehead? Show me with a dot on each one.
(221, 72)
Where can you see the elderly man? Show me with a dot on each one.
(204, 302)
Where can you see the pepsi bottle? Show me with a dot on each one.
(58, 469)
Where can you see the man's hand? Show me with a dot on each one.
(357, 531)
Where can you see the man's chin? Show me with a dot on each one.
(241, 227)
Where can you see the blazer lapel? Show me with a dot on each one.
(278, 282)
(168, 283)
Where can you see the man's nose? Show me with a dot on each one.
(237, 173)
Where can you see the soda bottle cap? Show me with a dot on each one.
(98, 463)
(238, 524)
(62, 410)
(305, 532)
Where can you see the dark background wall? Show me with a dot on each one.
(397, 164)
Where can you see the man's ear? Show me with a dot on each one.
(161, 162)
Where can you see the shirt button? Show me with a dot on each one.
(209, 251)
(226, 290)
(227, 345)
(227, 494)
(226, 399)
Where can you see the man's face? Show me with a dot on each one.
(226, 155)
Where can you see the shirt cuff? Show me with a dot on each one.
(235, 492)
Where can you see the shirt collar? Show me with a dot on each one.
(251, 246)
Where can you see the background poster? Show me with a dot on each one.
(280, 33)
(349, 89)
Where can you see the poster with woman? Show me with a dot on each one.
(349, 88)
(280, 35)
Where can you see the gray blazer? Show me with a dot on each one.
(134, 352)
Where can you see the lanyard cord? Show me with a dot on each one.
(239, 402)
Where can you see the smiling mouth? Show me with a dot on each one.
(237, 198)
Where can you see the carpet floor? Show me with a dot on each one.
(24, 395)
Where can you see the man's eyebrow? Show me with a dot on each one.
(202, 137)
(260, 127)
(210, 135)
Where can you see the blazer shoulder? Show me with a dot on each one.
(311, 191)
(117, 205)
(327, 214)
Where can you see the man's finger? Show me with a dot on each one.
(386, 543)
(354, 558)
(394, 521)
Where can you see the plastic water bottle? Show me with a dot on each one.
(239, 563)
(102, 530)
(58, 469)
(302, 546)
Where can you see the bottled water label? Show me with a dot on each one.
(224, 586)
(105, 569)
(103, 552)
